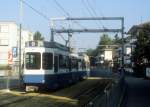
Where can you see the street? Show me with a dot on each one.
(138, 92)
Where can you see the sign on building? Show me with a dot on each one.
(15, 52)
(10, 57)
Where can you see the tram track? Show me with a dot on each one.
(87, 94)
(77, 95)
(90, 94)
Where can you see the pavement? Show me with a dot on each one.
(137, 93)
(10, 82)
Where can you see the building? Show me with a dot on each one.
(130, 44)
(9, 43)
(105, 57)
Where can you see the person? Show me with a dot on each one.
(121, 71)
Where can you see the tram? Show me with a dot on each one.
(49, 65)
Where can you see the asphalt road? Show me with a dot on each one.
(138, 92)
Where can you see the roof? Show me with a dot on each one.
(7, 22)
(46, 44)
(133, 30)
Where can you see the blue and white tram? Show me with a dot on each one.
(49, 65)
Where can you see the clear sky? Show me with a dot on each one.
(134, 12)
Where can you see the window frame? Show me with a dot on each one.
(39, 57)
(50, 67)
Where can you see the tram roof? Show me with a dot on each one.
(46, 44)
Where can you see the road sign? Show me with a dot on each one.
(14, 52)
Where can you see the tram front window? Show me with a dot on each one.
(33, 60)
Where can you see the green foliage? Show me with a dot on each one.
(38, 36)
(104, 40)
(5, 67)
(117, 40)
(92, 52)
(89, 52)
(141, 54)
(142, 50)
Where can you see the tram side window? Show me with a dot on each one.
(47, 61)
(83, 65)
(63, 61)
(74, 63)
(67, 61)
(33, 60)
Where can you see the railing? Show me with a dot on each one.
(111, 97)
(7, 80)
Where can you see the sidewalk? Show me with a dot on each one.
(138, 93)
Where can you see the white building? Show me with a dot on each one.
(9, 41)
(106, 55)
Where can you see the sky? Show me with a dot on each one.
(133, 11)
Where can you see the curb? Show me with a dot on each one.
(122, 96)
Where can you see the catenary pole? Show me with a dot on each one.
(20, 35)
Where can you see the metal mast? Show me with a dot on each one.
(121, 30)
(20, 34)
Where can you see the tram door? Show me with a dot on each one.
(56, 63)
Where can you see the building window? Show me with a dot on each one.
(128, 50)
(4, 29)
(3, 41)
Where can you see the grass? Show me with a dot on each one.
(5, 67)
(63, 97)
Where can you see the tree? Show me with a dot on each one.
(104, 40)
(38, 36)
(141, 54)
(117, 40)
(91, 52)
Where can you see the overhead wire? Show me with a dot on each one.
(35, 10)
(89, 11)
(68, 15)
(58, 7)
(94, 12)
(62, 36)
(98, 9)
(41, 14)
(102, 15)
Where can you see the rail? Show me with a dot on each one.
(110, 96)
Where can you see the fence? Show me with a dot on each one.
(111, 95)
(8, 79)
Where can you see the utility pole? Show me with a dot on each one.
(20, 35)
(52, 30)
(69, 41)
(122, 34)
